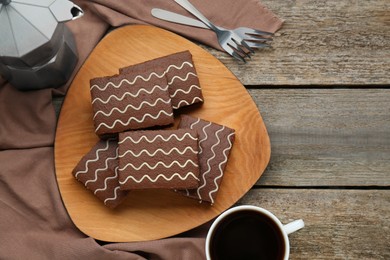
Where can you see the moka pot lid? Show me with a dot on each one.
(28, 26)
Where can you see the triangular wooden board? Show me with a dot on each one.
(155, 214)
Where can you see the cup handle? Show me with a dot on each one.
(293, 226)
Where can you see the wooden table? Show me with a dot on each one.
(323, 94)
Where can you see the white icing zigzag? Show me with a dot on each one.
(158, 136)
(101, 169)
(200, 148)
(153, 167)
(158, 150)
(115, 195)
(205, 133)
(133, 118)
(193, 124)
(220, 168)
(182, 79)
(160, 176)
(133, 107)
(106, 180)
(185, 92)
(95, 159)
(140, 77)
(187, 103)
(208, 162)
(129, 94)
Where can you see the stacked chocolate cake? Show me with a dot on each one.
(135, 151)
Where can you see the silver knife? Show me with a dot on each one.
(177, 18)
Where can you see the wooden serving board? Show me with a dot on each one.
(155, 214)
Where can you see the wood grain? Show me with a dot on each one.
(326, 137)
(322, 43)
(147, 215)
(339, 224)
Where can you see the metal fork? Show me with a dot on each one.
(253, 38)
(229, 40)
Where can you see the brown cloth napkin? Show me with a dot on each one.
(34, 223)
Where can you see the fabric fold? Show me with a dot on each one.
(34, 223)
(230, 14)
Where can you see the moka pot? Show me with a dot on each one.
(37, 50)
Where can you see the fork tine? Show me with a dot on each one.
(257, 32)
(233, 42)
(246, 46)
(257, 45)
(240, 44)
(233, 53)
(238, 57)
(249, 37)
(236, 46)
(245, 51)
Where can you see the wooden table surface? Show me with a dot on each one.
(322, 91)
(323, 94)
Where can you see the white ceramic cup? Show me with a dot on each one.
(285, 230)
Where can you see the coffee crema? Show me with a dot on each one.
(245, 235)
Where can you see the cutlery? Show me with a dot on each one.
(228, 39)
(255, 39)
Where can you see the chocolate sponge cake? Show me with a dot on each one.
(129, 101)
(179, 70)
(98, 171)
(158, 159)
(215, 143)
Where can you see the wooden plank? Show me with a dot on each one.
(326, 137)
(339, 224)
(323, 43)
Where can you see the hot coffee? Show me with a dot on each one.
(247, 234)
